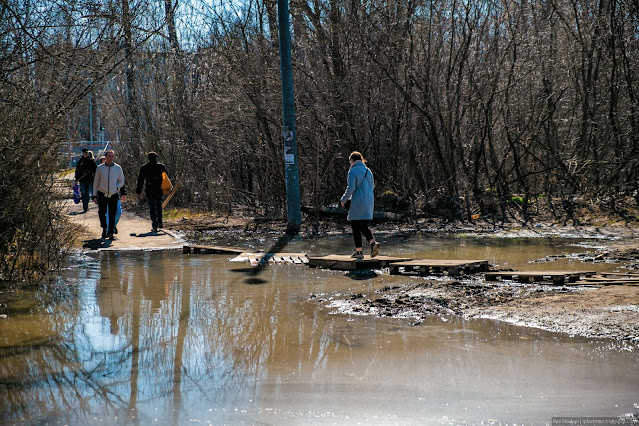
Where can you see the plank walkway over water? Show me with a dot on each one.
(436, 267)
(610, 278)
(271, 258)
(423, 267)
(347, 263)
(556, 277)
(196, 249)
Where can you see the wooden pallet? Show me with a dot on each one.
(271, 258)
(347, 263)
(556, 277)
(438, 267)
(196, 249)
(628, 275)
(610, 278)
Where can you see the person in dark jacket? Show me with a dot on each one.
(151, 173)
(84, 175)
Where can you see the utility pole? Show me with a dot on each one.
(293, 208)
(91, 113)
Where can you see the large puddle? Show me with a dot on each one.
(167, 338)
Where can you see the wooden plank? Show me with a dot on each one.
(597, 279)
(439, 262)
(557, 277)
(618, 274)
(171, 194)
(270, 258)
(347, 263)
(437, 266)
(609, 282)
(212, 249)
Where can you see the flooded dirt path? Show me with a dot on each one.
(166, 338)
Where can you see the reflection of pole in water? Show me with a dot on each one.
(135, 341)
(183, 322)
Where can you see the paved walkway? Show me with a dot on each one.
(134, 232)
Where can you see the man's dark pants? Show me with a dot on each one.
(112, 204)
(86, 189)
(155, 209)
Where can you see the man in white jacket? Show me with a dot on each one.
(108, 185)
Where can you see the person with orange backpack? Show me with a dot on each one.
(152, 174)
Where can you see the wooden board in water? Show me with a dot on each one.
(556, 277)
(438, 266)
(271, 258)
(347, 263)
(196, 249)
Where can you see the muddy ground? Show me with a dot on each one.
(610, 311)
(598, 312)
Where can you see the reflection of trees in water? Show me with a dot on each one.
(56, 372)
(171, 333)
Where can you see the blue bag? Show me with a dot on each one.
(76, 194)
(118, 213)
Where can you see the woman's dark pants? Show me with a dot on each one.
(361, 227)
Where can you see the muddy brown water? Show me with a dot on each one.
(167, 338)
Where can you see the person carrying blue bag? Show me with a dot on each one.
(118, 213)
(109, 189)
(77, 197)
(84, 175)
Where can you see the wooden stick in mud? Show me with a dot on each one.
(168, 197)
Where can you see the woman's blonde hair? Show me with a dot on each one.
(356, 156)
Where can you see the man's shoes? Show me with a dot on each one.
(104, 233)
(155, 229)
(375, 248)
(160, 225)
(111, 237)
(357, 255)
(115, 230)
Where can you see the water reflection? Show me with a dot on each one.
(167, 338)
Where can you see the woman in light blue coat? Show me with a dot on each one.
(359, 191)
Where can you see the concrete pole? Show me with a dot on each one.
(91, 113)
(293, 208)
